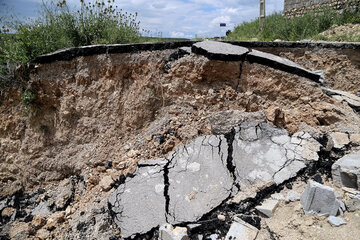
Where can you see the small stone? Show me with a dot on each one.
(19, 231)
(339, 139)
(168, 232)
(213, 237)
(292, 197)
(69, 210)
(353, 204)
(38, 222)
(278, 196)
(336, 221)
(54, 220)
(221, 217)
(43, 234)
(268, 207)
(355, 139)
(94, 180)
(8, 212)
(106, 183)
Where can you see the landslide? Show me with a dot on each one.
(119, 108)
(95, 117)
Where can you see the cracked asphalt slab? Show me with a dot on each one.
(198, 177)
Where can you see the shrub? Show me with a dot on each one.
(96, 22)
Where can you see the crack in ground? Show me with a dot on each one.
(209, 224)
(230, 137)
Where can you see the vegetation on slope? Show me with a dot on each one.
(308, 26)
(58, 26)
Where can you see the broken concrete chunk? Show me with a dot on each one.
(292, 197)
(351, 99)
(219, 51)
(283, 64)
(199, 179)
(339, 139)
(319, 199)
(138, 205)
(268, 207)
(336, 221)
(346, 171)
(352, 204)
(184, 51)
(106, 183)
(168, 232)
(241, 230)
(263, 153)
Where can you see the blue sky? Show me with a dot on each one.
(175, 18)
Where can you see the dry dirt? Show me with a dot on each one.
(290, 223)
(96, 111)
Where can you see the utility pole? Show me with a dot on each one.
(262, 14)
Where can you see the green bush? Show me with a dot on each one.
(96, 22)
(277, 26)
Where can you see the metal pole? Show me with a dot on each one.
(262, 14)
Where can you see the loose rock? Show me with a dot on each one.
(241, 230)
(168, 232)
(319, 199)
(292, 197)
(268, 207)
(339, 139)
(336, 221)
(346, 171)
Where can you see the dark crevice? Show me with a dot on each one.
(240, 74)
(166, 189)
(271, 233)
(230, 161)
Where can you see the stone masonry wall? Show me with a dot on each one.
(299, 7)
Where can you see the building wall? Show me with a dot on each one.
(299, 7)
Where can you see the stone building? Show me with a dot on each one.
(299, 7)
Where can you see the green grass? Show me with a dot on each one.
(59, 26)
(276, 26)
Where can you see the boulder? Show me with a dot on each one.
(319, 199)
(346, 171)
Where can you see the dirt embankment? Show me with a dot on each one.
(99, 115)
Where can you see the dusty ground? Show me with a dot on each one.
(289, 221)
(97, 116)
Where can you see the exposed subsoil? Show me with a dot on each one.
(97, 116)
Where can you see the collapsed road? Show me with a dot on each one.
(196, 140)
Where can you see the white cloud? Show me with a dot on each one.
(185, 18)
